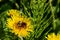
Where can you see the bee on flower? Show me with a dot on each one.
(19, 25)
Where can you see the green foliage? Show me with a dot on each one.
(43, 13)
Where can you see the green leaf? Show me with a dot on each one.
(5, 7)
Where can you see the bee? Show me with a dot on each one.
(21, 24)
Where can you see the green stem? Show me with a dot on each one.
(51, 8)
(21, 37)
(17, 6)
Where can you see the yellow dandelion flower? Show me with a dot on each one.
(13, 12)
(20, 25)
(53, 37)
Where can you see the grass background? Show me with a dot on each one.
(43, 13)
